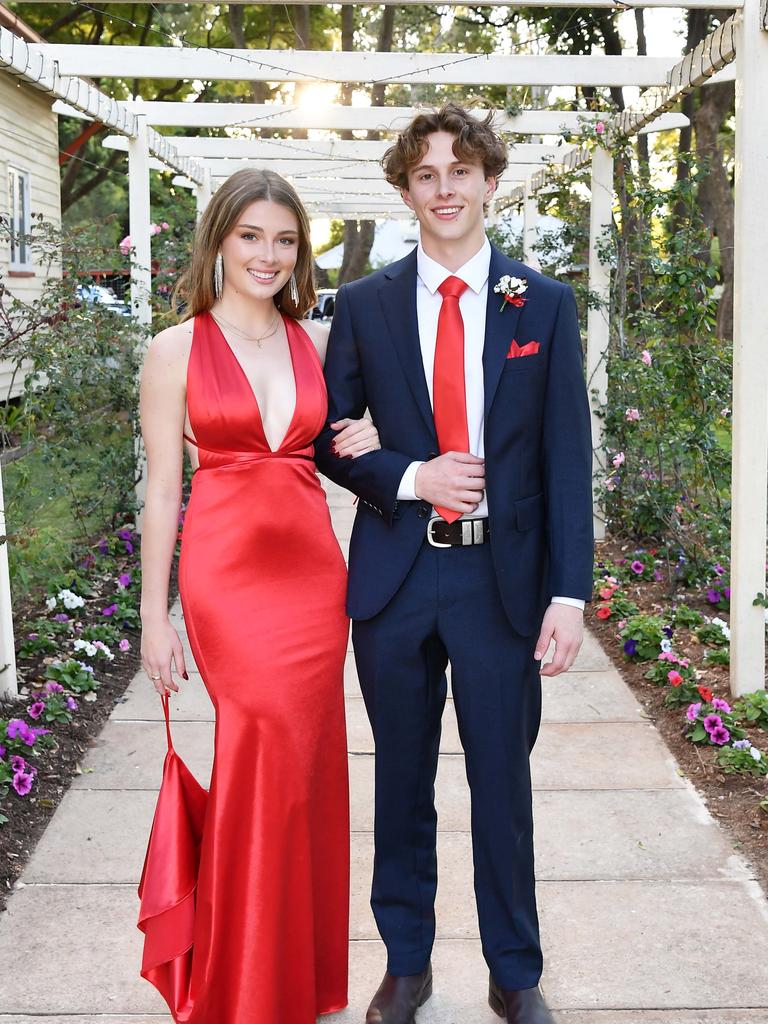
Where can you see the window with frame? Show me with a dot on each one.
(18, 210)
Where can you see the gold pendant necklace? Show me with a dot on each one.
(247, 337)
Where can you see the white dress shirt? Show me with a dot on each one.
(472, 304)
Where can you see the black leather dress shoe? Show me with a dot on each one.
(398, 999)
(523, 1006)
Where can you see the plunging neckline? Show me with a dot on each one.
(249, 386)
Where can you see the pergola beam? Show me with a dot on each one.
(166, 114)
(31, 63)
(363, 150)
(201, 63)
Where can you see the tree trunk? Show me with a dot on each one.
(642, 51)
(236, 15)
(358, 240)
(715, 196)
(301, 29)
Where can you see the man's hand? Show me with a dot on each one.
(455, 480)
(564, 624)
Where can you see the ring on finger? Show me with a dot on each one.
(155, 678)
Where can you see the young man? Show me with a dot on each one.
(472, 545)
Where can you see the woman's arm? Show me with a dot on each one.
(163, 411)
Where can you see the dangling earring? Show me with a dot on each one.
(218, 275)
(294, 290)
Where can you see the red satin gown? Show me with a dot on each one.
(262, 583)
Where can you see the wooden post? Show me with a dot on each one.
(530, 218)
(141, 274)
(9, 686)
(203, 194)
(598, 325)
(750, 357)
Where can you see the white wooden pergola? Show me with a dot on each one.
(342, 178)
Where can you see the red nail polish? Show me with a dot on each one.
(184, 676)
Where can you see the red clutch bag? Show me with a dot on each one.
(169, 880)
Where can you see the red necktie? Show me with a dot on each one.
(449, 396)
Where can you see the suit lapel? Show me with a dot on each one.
(398, 301)
(500, 327)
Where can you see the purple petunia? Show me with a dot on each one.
(61, 617)
(109, 610)
(713, 722)
(668, 632)
(713, 596)
(125, 644)
(637, 567)
(693, 711)
(18, 764)
(22, 782)
(720, 735)
(727, 593)
(124, 580)
(88, 562)
(17, 729)
(53, 687)
(71, 703)
(103, 546)
(36, 709)
(630, 647)
(721, 705)
(741, 744)
(3, 751)
(720, 571)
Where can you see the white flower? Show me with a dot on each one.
(71, 600)
(666, 645)
(85, 645)
(50, 603)
(723, 626)
(755, 753)
(511, 285)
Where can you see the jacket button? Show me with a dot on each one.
(422, 511)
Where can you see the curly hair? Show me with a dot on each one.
(475, 141)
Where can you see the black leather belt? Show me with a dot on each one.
(461, 533)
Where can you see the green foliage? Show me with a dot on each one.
(72, 675)
(712, 633)
(686, 617)
(718, 657)
(646, 631)
(79, 367)
(753, 708)
(741, 761)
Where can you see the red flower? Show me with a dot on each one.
(515, 300)
(604, 611)
(705, 693)
(675, 678)
(607, 593)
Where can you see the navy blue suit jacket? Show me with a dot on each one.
(538, 449)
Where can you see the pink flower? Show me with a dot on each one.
(618, 459)
(632, 415)
(155, 229)
(126, 245)
(612, 483)
(22, 782)
(721, 705)
(124, 645)
(646, 357)
(165, 225)
(606, 593)
(36, 709)
(621, 624)
(600, 127)
(719, 735)
(693, 711)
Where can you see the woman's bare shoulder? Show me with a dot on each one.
(318, 334)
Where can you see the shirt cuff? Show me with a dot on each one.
(407, 489)
(575, 601)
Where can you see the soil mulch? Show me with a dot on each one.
(732, 799)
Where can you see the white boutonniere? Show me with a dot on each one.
(512, 289)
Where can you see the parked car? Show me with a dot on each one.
(99, 295)
(326, 301)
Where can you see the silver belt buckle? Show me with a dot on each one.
(431, 537)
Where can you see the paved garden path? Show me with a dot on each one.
(648, 916)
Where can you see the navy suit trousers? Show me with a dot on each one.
(449, 610)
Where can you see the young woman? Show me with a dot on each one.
(262, 584)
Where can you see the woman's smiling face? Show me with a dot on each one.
(260, 252)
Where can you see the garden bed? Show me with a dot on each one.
(733, 799)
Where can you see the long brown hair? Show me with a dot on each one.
(195, 286)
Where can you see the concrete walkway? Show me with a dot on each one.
(648, 916)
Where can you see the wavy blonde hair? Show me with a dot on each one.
(195, 286)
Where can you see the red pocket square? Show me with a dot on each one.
(522, 350)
